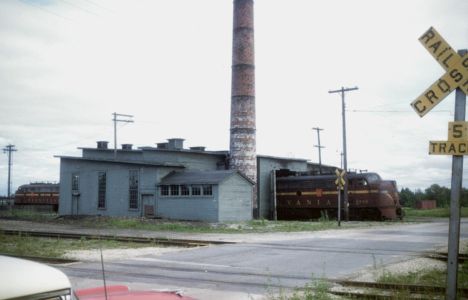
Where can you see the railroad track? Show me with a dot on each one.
(444, 256)
(259, 281)
(346, 288)
(133, 239)
(387, 290)
(42, 259)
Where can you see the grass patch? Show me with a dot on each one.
(56, 247)
(27, 215)
(429, 277)
(432, 213)
(255, 226)
(316, 290)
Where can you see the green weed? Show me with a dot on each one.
(432, 213)
(55, 247)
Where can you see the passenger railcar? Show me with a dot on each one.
(38, 194)
(302, 197)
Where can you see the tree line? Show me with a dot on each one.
(440, 194)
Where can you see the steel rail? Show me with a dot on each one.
(380, 290)
(328, 249)
(200, 243)
(161, 241)
(43, 259)
(444, 256)
(400, 287)
(370, 296)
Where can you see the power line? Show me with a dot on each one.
(115, 120)
(80, 8)
(99, 5)
(45, 10)
(391, 111)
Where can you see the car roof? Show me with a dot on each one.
(21, 278)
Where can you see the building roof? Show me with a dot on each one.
(209, 152)
(201, 177)
(282, 158)
(149, 148)
(120, 161)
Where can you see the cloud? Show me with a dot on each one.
(65, 68)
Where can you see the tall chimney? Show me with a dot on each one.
(243, 154)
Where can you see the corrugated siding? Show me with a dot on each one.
(193, 161)
(235, 199)
(196, 161)
(189, 208)
(117, 193)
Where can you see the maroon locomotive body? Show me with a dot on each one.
(302, 197)
(38, 194)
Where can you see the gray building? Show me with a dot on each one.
(167, 181)
(213, 196)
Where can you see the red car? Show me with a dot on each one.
(122, 292)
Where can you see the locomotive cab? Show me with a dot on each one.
(301, 196)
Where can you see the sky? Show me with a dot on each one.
(67, 65)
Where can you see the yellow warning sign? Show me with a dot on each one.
(458, 131)
(457, 143)
(340, 182)
(448, 147)
(455, 77)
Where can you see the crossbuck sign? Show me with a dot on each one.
(456, 75)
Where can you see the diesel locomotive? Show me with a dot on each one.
(38, 194)
(301, 196)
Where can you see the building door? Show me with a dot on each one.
(75, 204)
(148, 205)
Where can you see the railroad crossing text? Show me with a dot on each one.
(456, 75)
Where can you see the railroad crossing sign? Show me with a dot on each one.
(340, 182)
(457, 143)
(455, 77)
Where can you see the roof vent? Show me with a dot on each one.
(127, 146)
(198, 148)
(162, 145)
(176, 144)
(102, 144)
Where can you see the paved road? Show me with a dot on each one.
(253, 266)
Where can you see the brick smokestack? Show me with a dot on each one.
(243, 154)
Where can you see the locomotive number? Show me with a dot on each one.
(361, 202)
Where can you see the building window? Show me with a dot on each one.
(133, 189)
(196, 190)
(184, 190)
(174, 190)
(164, 190)
(75, 184)
(207, 190)
(102, 189)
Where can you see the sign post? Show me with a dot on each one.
(454, 223)
(340, 183)
(456, 77)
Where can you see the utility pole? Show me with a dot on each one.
(115, 119)
(341, 159)
(345, 158)
(319, 148)
(9, 148)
